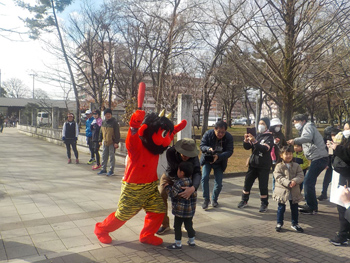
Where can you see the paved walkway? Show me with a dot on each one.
(48, 210)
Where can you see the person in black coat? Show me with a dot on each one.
(342, 151)
(328, 134)
(345, 198)
(259, 163)
(216, 146)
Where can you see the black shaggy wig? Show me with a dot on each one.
(154, 122)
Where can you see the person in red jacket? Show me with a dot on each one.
(147, 138)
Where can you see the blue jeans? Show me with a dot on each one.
(218, 175)
(316, 167)
(294, 212)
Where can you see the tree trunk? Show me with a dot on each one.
(206, 108)
(68, 64)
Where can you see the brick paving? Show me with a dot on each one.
(48, 210)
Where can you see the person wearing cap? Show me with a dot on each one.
(279, 141)
(278, 136)
(109, 137)
(315, 150)
(88, 135)
(259, 163)
(216, 146)
(95, 130)
(185, 150)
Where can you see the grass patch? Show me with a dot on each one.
(237, 162)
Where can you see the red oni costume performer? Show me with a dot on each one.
(140, 182)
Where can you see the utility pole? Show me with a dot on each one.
(33, 82)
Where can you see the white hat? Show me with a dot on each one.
(88, 112)
(275, 121)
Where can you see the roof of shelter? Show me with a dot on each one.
(20, 102)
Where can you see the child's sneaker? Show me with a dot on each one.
(174, 246)
(278, 227)
(69, 160)
(95, 167)
(297, 228)
(77, 161)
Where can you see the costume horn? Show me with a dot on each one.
(161, 114)
(168, 116)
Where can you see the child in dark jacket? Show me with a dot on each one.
(183, 209)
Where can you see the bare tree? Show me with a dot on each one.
(45, 17)
(216, 34)
(288, 37)
(168, 28)
(15, 88)
(89, 49)
(230, 89)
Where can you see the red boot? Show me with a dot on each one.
(110, 224)
(151, 226)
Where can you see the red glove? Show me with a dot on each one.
(137, 119)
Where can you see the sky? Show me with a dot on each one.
(20, 56)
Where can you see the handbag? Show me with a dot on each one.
(340, 166)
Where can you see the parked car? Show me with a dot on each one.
(42, 118)
(213, 120)
(239, 122)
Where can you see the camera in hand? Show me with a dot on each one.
(209, 156)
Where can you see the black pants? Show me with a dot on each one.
(327, 177)
(263, 177)
(188, 225)
(73, 143)
(96, 147)
(91, 147)
(344, 224)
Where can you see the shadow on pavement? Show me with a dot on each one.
(29, 253)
